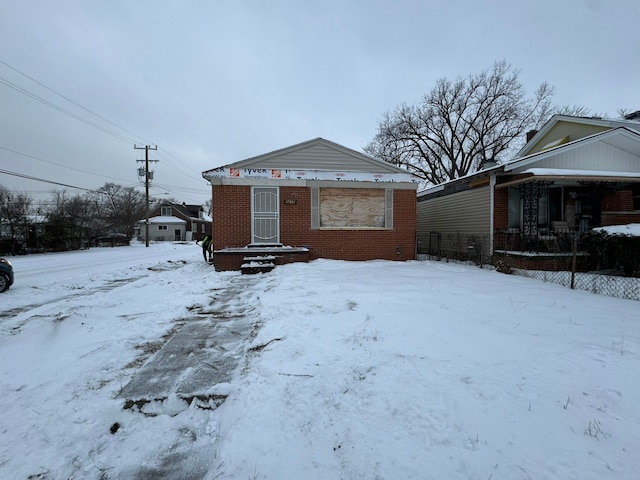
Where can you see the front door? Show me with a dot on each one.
(265, 215)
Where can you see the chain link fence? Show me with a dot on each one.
(567, 266)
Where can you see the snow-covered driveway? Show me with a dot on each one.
(371, 370)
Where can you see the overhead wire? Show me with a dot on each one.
(86, 122)
(71, 101)
(63, 110)
(37, 179)
(167, 187)
(59, 165)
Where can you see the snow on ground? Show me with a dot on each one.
(372, 370)
(631, 229)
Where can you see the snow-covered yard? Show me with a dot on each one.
(372, 370)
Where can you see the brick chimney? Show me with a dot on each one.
(530, 135)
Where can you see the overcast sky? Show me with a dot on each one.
(215, 82)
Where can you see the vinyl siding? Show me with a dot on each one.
(318, 154)
(599, 156)
(574, 131)
(321, 157)
(465, 212)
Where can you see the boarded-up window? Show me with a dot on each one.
(351, 208)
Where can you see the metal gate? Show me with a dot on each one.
(265, 215)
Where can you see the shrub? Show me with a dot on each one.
(617, 253)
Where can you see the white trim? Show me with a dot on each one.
(437, 188)
(566, 172)
(251, 182)
(555, 119)
(306, 175)
(579, 143)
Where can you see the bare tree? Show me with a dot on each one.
(14, 209)
(55, 233)
(629, 113)
(120, 208)
(461, 124)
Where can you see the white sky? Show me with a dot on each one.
(212, 83)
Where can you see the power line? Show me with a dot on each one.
(59, 165)
(32, 95)
(69, 100)
(30, 177)
(60, 109)
(182, 163)
(63, 110)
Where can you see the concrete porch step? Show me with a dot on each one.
(257, 264)
(232, 258)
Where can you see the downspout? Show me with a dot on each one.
(492, 186)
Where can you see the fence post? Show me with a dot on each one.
(573, 260)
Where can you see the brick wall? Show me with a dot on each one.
(617, 218)
(501, 208)
(232, 226)
(617, 208)
(621, 200)
(231, 216)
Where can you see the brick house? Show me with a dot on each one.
(316, 199)
(575, 174)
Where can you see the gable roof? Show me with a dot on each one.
(316, 154)
(625, 140)
(553, 134)
(191, 211)
(616, 158)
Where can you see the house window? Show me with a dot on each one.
(202, 228)
(353, 208)
(543, 209)
(636, 197)
(163, 227)
(515, 208)
(165, 211)
(549, 207)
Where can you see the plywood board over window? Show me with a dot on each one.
(352, 208)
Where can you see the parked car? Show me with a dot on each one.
(6, 274)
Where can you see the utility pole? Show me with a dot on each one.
(147, 176)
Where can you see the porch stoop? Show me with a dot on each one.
(258, 264)
(253, 257)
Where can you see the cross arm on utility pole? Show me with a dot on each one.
(146, 149)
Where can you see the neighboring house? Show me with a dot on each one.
(175, 222)
(573, 175)
(318, 197)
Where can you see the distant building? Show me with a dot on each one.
(175, 222)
